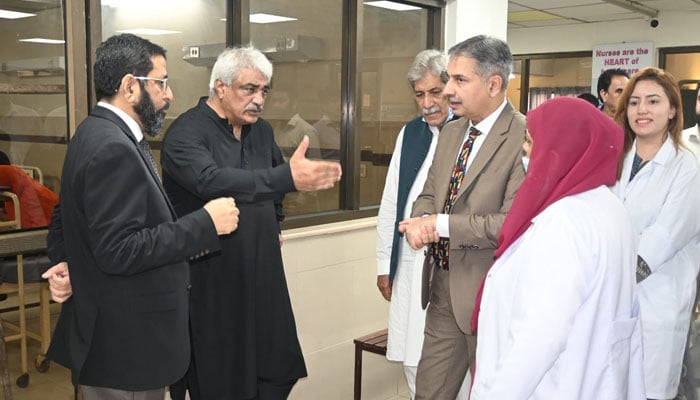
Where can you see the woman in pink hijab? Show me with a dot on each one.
(558, 315)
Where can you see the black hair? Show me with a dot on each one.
(589, 98)
(4, 159)
(121, 55)
(605, 79)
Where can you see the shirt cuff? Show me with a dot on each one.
(383, 267)
(442, 224)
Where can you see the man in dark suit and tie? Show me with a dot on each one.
(471, 184)
(124, 331)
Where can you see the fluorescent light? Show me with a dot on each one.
(42, 40)
(392, 6)
(7, 14)
(149, 31)
(261, 18)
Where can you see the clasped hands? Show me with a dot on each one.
(420, 231)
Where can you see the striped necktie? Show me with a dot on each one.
(440, 250)
(149, 156)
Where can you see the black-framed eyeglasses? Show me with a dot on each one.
(163, 81)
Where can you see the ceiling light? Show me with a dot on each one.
(7, 14)
(148, 31)
(42, 40)
(261, 18)
(392, 6)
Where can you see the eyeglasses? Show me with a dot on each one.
(163, 82)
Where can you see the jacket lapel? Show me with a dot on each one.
(493, 142)
(105, 113)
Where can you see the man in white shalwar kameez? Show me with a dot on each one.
(398, 266)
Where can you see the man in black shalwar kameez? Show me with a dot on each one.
(244, 340)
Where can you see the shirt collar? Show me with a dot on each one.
(665, 153)
(485, 126)
(130, 122)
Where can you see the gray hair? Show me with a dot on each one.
(432, 61)
(492, 56)
(231, 62)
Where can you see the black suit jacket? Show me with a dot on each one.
(126, 325)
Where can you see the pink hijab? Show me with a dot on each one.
(575, 148)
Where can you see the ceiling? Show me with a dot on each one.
(537, 13)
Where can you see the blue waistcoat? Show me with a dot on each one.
(414, 148)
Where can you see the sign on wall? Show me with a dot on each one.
(630, 57)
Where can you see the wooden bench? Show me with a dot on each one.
(374, 343)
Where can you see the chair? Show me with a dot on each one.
(374, 343)
(14, 223)
(34, 172)
(17, 244)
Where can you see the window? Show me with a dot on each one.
(542, 77)
(305, 47)
(392, 38)
(684, 64)
(33, 124)
(193, 34)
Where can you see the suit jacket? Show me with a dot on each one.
(486, 193)
(126, 325)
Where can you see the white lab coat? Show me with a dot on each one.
(406, 316)
(662, 201)
(558, 315)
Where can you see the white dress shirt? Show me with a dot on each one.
(691, 138)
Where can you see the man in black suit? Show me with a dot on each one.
(124, 331)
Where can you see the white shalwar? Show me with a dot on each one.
(662, 200)
(558, 315)
(406, 316)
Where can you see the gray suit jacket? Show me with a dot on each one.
(486, 193)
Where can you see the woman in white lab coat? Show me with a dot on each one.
(558, 315)
(660, 187)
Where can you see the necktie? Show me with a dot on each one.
(149, 155)
(440, 250)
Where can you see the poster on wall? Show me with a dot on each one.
(630, 57)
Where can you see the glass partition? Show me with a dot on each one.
(33, 123)
(391, 39)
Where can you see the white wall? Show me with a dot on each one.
(675, 29)
(331, 274)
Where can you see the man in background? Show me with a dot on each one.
(611, 83)
(398, 265)
(244, 339)
(124, 331)
(471, 184)
(691, 136)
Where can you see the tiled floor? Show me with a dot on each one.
(54, 384)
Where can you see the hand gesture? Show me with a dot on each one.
(311, 175)
(224, 213)
(59, 282)
(420, 231)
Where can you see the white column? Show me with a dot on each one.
(467, 18)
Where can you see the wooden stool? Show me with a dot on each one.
(374, 343)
